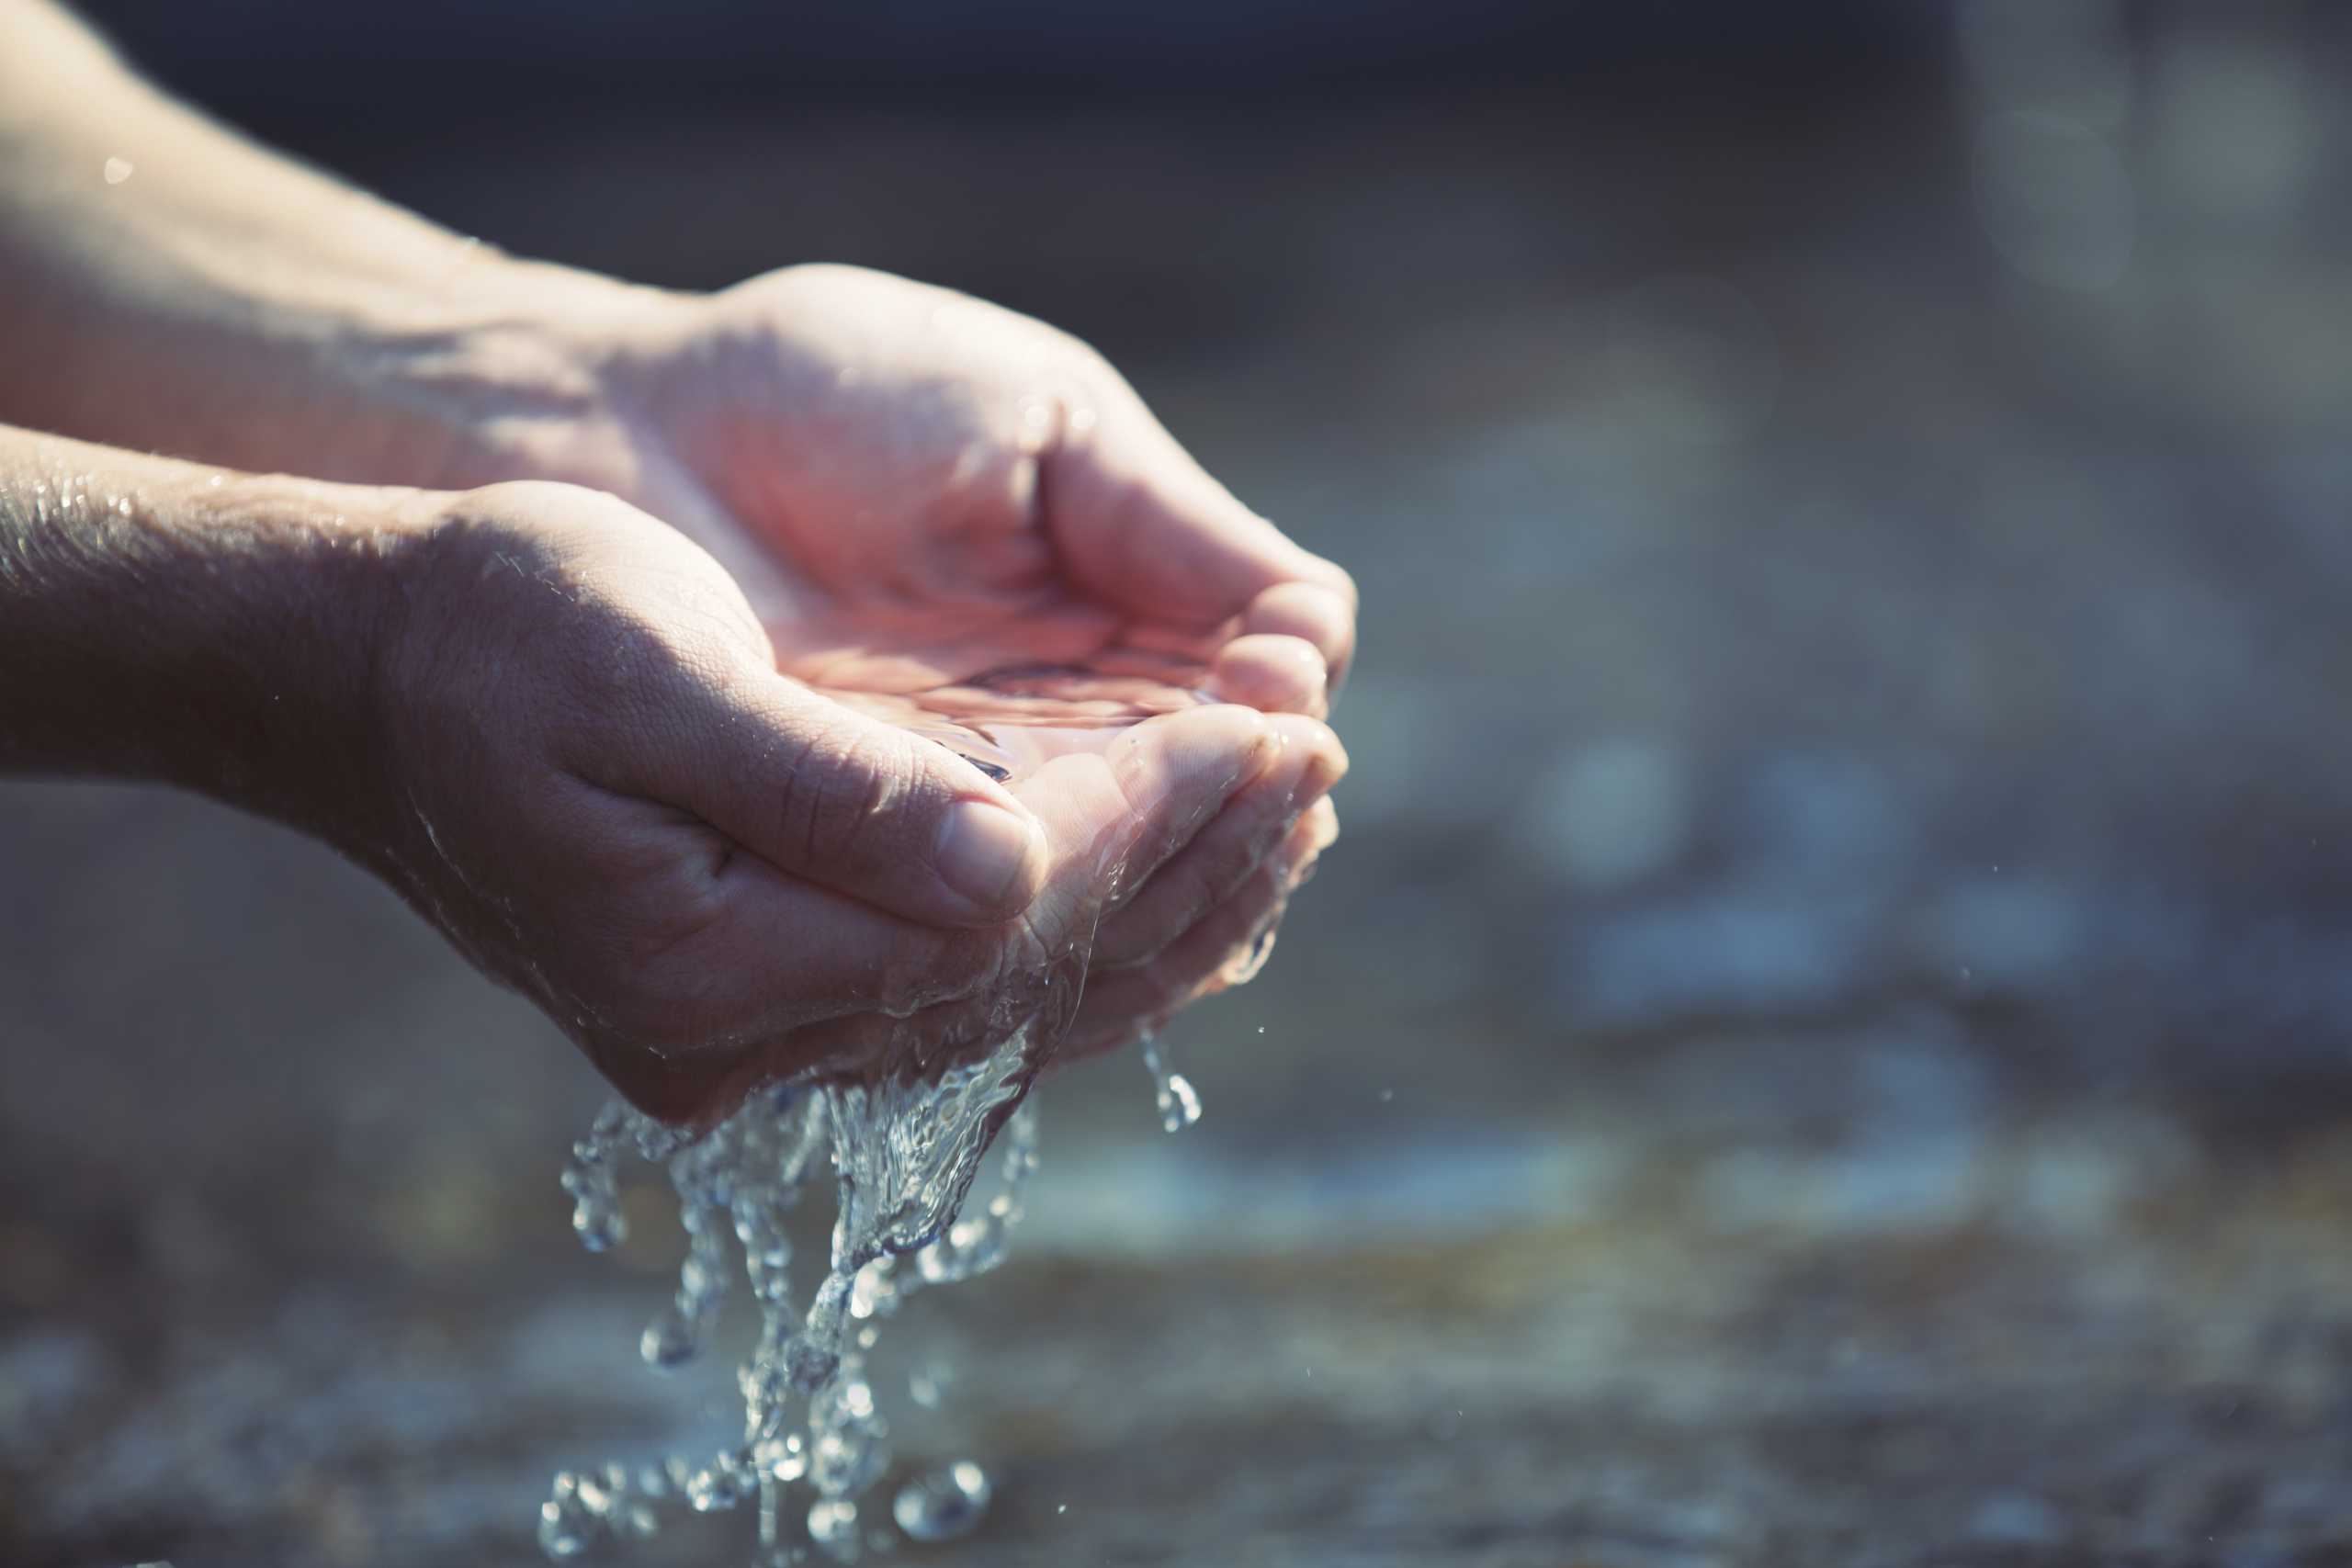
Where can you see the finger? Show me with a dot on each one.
(1273, 674)
(1102, 813)
(1205, 870)
(756, 974)
(839, 799)
(1223, 949)
(1147, 528)
(1322, 824)
(703, 1089)
(703, 959)
(1313, 613)
(1122, 1008)
(710, 948)
(1112, 818)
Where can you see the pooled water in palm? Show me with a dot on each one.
(1004, 719)
(904, 1148)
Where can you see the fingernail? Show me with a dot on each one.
(982, 852)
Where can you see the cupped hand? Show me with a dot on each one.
(887, 465)
(606, 785)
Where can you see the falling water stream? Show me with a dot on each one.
(903, 1161)
(904, 1148)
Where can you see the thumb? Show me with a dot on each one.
(1143, 524)
(849, 802)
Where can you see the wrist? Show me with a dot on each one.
(417, 358)
(213, 631)
(296, 727)
(483, 370)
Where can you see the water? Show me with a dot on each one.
(1004, 720)
(943, 1503)
(904, 1155)
(1179, 1103)
(904, 1148)
(832, 1528)
(584, 1510)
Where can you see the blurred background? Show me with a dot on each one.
(1828, 1038)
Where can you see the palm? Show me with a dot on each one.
(963, 522)
(914, 492)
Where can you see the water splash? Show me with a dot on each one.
(904, 1153)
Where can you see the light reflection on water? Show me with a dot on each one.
(1009, 720)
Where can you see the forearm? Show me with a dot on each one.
(190, 626)
(167, 286)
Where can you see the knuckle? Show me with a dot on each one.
(836, 790)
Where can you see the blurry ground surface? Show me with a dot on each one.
(1826, 1040)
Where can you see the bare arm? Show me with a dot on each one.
(191, 625)
(167, 284)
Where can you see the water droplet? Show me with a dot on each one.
(669, 1340)
(943, 1503)
(582, 1510)
(721, 1486)
(559, 1536)
(119, 169)
(832, 1525)
(1179, 1102)
(785, 1458)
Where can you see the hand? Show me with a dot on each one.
(915, 488)
(598, 784)
(981, 487)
